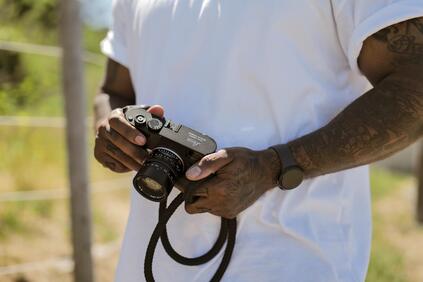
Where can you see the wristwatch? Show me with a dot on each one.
(291, 174)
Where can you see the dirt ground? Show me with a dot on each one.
(44, 254)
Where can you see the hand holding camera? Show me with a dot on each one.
(239, 175)
(118, 145)
(174, 148)
(224, 183)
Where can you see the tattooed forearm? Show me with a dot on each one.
(382, 121)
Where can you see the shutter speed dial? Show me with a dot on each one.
(155, 124)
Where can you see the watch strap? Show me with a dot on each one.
(288, 164)
(285, 156)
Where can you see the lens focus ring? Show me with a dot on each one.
(158, 174)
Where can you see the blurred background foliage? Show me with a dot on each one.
(31, 84)
(34, 159)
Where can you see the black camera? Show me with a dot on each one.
(174, 148)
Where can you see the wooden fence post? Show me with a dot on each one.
(75, 108)
(420, 185)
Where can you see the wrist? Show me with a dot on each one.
(291, 175)
(272, 167)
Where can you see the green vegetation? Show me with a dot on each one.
(29, 84)
(386, 263)
(29, 21)
(384, 182)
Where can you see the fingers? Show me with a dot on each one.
(105, 151)
(118, 122)
(156, 110)
(135, 152)
(111, 163)
(208, 165)
(211, 196)
(203, 205)
(117, 144)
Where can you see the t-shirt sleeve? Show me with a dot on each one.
(356, 20)
(114, 45)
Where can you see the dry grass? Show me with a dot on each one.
(44, 239)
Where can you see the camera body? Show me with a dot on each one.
(174, 148)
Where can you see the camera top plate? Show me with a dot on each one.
(162, 132)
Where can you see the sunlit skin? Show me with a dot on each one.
(381, 122)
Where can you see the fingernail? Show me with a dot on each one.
(140, 140)
(193, 172)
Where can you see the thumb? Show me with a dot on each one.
(208, 165)
(156, 110)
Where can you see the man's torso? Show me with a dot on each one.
(251, 74)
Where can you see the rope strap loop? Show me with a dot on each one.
(227, 234)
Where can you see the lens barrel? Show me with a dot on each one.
(158, 175)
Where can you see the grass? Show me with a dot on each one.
(384, 182)
(35, 159)
(386, 263)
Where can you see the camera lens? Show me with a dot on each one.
(158, 174)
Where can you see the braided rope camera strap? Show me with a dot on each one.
(227, 234)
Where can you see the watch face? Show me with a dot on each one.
(292, 178)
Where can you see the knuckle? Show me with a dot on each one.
(114, 121)
(205, 162)
(102, 131)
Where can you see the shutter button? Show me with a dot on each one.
(139, 120)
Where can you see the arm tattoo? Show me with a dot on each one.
(403, 38)
(379, 123)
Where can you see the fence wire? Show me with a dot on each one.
(63, 193)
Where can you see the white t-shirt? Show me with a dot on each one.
(254, 73)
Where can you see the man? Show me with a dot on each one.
(254, 74)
